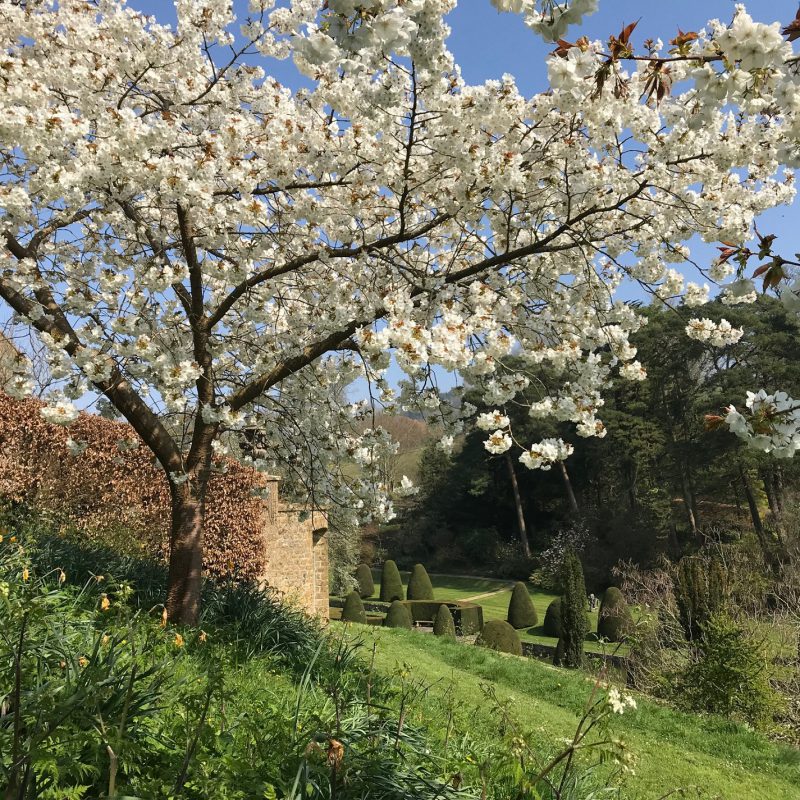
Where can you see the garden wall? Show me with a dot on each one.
(122, 498)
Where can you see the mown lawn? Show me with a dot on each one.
(495, 606)
(706, 756)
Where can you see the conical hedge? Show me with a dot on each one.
(391, 583)
(353, 610)
(366, 586)
(574, 625)
(614, 619)
(419, 584)
(521, 611)
(443, 625)
(398, 616)
(499, 635)
(552, 619)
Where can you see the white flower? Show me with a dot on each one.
(618, 701)
(492, 419)
(498, 443)
(718, 334)
(62, 412)
(406, 487)
(544, 454)
(76, 447)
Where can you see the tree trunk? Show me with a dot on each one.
(186, 552)
(755, 516)
(523, 532)
(688, 501)
(573, 503)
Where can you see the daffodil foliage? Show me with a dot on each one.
(208, 250)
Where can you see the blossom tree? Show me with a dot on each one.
(207, 251)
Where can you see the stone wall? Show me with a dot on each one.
(296, 554)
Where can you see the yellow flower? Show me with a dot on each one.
(1, 538)
(83, 661)
(62, 576)
(25, 574)
(164, 618)
(203, 636)
(178, 640)
(105, 603)
(13, 539)
(106, 639)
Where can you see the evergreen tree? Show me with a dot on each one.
(614, 619)
(391, 582)
(574, 625)
(398, 616)
(443, 625)
(366, 586)
(353, 610)
(419, 584)
(521, 611)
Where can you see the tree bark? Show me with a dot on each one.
(573, 503)
(523, 531)
(755, 516)
(184, 581)
(688, 501)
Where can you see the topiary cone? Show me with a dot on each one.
(391, 583)
(398, 616)
(521, 611)
(499, 635)
(353, 610)
(419, 584)
(614, 619)
(366, 586)
(552, 619)
(443, 625)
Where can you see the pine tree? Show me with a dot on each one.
(574, 625)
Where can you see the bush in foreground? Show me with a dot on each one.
(391, 582)
(366, 586)
(419, 584)
(497, 634)
(398, 616)
(353, 610)
(521, 611)
(443, 625)
(614, 620)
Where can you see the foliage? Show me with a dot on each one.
(344, 549)
(353, 610)
(391, 582)
(419, 584)
(521, 611)
(552, 619)
(730, 674)
(614, 620)
(366, 586)
(574, 626)
(398, 616)
(443, 625)
(700, 592)
(497, 634)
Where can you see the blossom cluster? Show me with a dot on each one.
(771, 423)
(717, 334)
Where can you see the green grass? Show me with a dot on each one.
(462, 587)
(673, 749)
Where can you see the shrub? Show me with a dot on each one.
(552, 619)
(574, 626)
(614, 619)
(521, 611)
(730, 674)
(700, 593)
(443, 625)
(353, 610)
(467, 617)
(419, 584)
(499, 635)
(391, 583)
(366, 586)
(398, 616)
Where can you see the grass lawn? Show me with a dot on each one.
(495, 606)
(709, 757)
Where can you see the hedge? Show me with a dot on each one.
(353, 610)
(467, 617)
(521, 611)
(419, 584)
(499, 635)
(614, 619)
(366, 586)
(443, 625)
(391, 582)
(398, 616)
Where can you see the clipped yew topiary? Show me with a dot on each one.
(521, 611)
(398, 616)
(499, 635)
(391, 583)
(366, 586)
(574, 625)
(443, 625)
(353, 610)
(614, 619)
(419, 584)
(552, 619)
